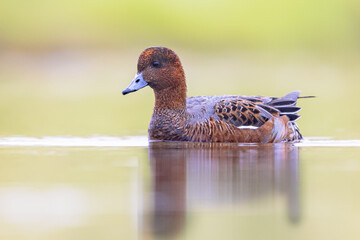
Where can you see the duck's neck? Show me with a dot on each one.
(173, 98)
(169, 115)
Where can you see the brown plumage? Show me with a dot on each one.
(209, 118)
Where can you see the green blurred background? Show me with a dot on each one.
(63, 64)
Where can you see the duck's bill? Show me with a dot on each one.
(136, 84)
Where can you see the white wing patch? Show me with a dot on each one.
(247, 127)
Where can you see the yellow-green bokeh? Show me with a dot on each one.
(223, 24)
(63, 64)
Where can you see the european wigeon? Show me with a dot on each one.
(245, 119)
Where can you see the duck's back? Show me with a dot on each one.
(245, 111)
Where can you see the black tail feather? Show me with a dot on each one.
(292, 117)
(288, 109)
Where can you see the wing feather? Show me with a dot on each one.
(242, 111)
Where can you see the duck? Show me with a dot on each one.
(223, 118)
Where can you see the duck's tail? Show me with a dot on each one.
(294, 133)
(286, 105)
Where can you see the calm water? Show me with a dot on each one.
(125, 188)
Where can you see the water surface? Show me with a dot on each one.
(104, 187)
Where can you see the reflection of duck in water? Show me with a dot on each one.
(187, 177)
(209, 118)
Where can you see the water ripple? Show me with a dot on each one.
(69, 141)
(139, 141)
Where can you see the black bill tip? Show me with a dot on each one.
(126, 91)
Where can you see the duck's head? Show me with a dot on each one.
(161, 69)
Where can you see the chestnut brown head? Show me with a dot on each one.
(160, 68)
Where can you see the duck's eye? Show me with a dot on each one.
(156, 64)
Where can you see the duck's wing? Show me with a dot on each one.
(243, 111)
